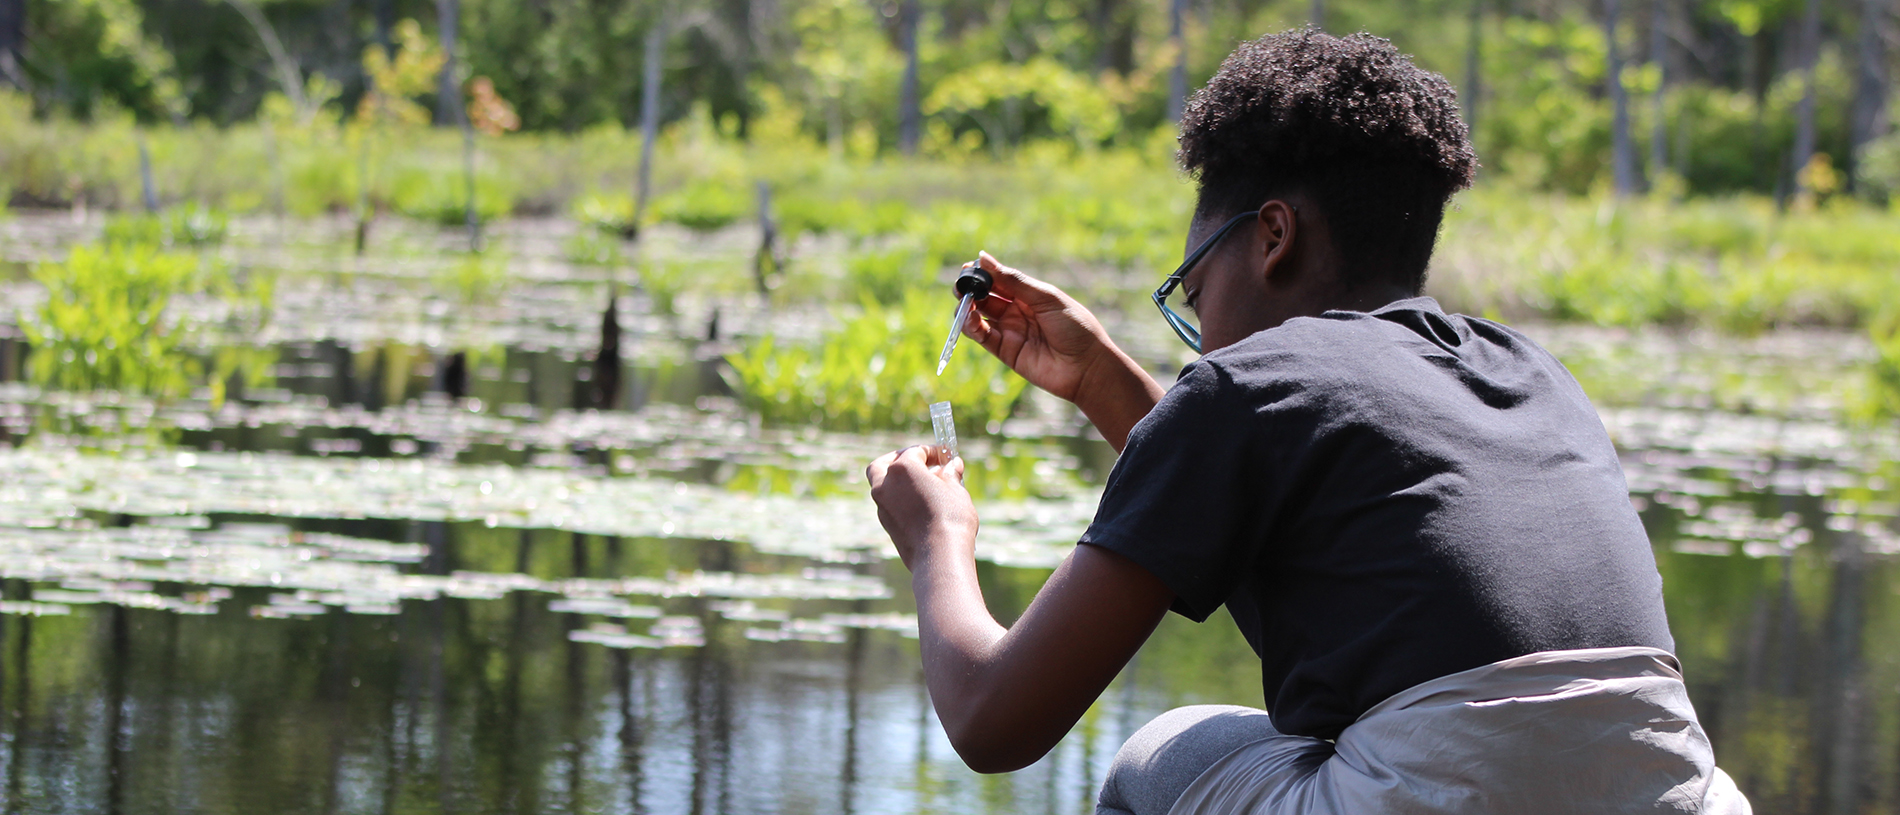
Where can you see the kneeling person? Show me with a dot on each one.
(1415, 518)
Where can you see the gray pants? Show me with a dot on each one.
(1162, 758)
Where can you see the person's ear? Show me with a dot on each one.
(1279, 235)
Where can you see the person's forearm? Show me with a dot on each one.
(1115, 394)
(958, 637)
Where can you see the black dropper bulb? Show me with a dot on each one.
(974, 281)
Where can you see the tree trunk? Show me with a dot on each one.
(1870, 86)
(1804, 112)
(451, 110)
(1316, 16)
(13, 42)
(910, 115)
(1177, 79)
(1658, 126)
(1114, 24)
(448, 96)
(1622, 149)
(385, 13)
(1474, 55)
(649, 113)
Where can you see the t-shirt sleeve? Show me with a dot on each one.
(1185, 499)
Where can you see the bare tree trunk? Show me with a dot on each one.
(1658, 126)
(13, 42)
(452, 111)
(1317, 15)
(1114, 24)
(147, 189)
(649, 113)
(1474, 55)
(385, 13)
(1870, 85)
(1177, 79)
(910, 115)
(1804, 112)
(448, 95)
(1622, 149)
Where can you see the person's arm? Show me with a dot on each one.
(1056, 344)
(1006, 696)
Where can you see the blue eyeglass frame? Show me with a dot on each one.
(1182, 327)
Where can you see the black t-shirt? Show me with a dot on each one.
(1383, 499)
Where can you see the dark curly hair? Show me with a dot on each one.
(1375, 140)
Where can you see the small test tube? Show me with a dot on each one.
(945, 428)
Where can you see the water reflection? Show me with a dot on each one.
(420, 569)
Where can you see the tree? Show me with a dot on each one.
(12, 42)
(1810, 46)
(649, 111)
(1870, 85)
(1622, 148)
(910, 117)
(1177, 79)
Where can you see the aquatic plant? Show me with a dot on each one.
(441, 197)
(606, 213)
(107, 324)
(475, 278)
(194, 226)
(593, 248)
(876, 370)
(663, 281)
(887, 276)
(706, 205)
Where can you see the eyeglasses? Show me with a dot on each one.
(1183, 327)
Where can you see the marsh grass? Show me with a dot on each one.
(877, 371)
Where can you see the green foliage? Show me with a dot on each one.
(663, 281)
(877, 370)
(1878, 173)
(475, 278)
(706, 205)
(605, 212)
(590, 247)
(106, 322)
(1738, 264)
(1881, 400)
(195, 226)
(441, 196)
(887, 277)
(91, 56)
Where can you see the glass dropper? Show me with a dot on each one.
(972, 285)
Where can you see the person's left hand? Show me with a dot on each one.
(922, 504)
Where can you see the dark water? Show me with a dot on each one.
(350, 591)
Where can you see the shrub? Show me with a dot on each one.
(106, 322)
(441, 197)
(877, 371)
(706, 205)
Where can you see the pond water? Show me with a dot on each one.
(382, 579)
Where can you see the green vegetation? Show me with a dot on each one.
(1736, 264)
(877, 370)
(193, 227)
(108, 322)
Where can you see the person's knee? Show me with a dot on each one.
(1167, 754)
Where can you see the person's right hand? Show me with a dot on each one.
(1042, 334)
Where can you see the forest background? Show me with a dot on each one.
(1686, 96)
